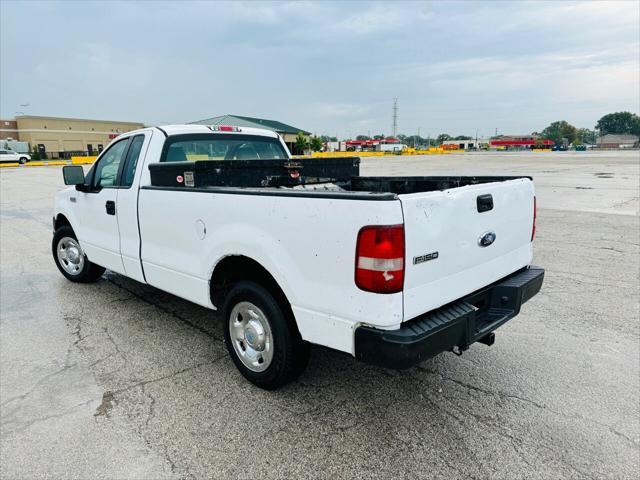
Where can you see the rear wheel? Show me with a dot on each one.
(261, 337)
(71, 259)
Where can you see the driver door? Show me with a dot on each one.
(98, 230)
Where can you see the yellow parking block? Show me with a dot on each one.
(46, 163)
(9, 164)
(83, 160)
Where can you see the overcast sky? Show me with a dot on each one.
(330, 68)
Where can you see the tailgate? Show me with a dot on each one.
(462, 239)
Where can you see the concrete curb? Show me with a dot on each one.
(46, 163)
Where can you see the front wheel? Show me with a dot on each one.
(22, 160)
(71, 259)
(261, 337)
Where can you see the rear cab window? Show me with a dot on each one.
(205, 146)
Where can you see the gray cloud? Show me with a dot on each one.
(326, 67)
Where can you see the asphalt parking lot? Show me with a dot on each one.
(120, 380)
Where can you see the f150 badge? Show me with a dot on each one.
(425, 258)
(487, 239)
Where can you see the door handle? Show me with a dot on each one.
(110, 206)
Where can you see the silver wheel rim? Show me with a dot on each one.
(70, 255)
(251, 336)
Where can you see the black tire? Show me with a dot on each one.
(290, 352)
(22, 160)
(89, 273)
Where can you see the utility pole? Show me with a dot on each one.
(395, 117)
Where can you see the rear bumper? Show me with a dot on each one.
(459, 324)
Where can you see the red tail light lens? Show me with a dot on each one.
(535, 214)
(380, 259)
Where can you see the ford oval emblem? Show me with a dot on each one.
(487, 239)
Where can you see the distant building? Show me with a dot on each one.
(8, 130)
(336, 146)
(390, 147)
(473, 144)
(624, 140)
(520, 142)
(57, 137)
(287, 132)
(388, 144)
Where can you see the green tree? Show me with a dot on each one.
(363, 137)
(463, 137)
(586, 136)
(301, 143)
(35, 154)
(560, 130)
(443, 137)
(619, 122)
(379, 137)
(326, 138)
(316, 144)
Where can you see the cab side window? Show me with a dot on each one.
(132, 161)
(106, 174)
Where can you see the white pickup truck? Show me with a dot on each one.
(392, 270)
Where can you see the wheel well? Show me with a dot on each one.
(236, 268)
(60, 221)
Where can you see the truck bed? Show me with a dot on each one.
(407, 185)
(301, 177)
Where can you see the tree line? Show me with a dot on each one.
(613, 123)
(558, 132)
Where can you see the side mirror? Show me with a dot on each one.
(73, 175)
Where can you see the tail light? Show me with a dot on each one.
(535, 213)
(380, 259)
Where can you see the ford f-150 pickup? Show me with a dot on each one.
(299, 251)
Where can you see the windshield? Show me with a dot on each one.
(182, 148)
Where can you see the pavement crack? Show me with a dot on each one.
(538, 405)
(25, 425)
(497, 392)
(22, 396)
(165, 377)
(115, 345)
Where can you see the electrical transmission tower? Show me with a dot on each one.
(395, 117)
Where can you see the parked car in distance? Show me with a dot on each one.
(292, 252)
(8, 155)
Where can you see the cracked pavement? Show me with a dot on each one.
(120, 380)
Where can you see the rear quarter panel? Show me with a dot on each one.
(307, 244)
